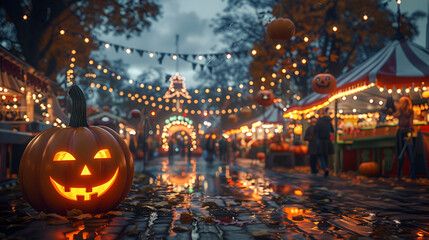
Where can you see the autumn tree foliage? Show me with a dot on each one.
(32, 28)
(331, 36)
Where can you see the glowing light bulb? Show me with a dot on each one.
(62, 32)
(254, 52)
(278, 46)
(334, 28)
(306, 39)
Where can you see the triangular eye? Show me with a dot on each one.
(102, 154)
(63, 156)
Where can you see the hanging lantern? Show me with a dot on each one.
(77, 167)
(281, 29)
(264, 98)
(135, 113)
(246, 112)
(298, 130)
(324, 83)
(233, 118)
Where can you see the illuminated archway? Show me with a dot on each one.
(175, 124)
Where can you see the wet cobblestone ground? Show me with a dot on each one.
(240, 200)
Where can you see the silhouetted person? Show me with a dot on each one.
(404, 141)
(323, 130)
(311, 137)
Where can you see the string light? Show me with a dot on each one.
(254, 52)
(25, 17)
(86, 40)
(278, 46)
(334, 28)
(62, 32)
(365, 17)
(151, 54)
(306, 39)
(228, 56)
(128, 50)
(174, 57)
(200, 57)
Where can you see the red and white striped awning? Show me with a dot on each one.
(399, 64)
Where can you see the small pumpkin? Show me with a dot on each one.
(299, 149)
(260, 156)
(369, 169)
(265, 98)
(77, 167)
(324, 83)
(233, 118)
(246, 112)
(281, 29)
(279, 147)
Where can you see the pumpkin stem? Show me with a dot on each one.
(78, 114)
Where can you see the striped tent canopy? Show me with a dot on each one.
(399, 64)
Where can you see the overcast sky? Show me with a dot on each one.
(191, 19)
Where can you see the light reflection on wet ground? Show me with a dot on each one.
(194, 199)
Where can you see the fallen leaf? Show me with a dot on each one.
(186, 218)
(133, 230)
(181, 229)
(74, 212)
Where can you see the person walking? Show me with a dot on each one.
(323, 130)
(404, 141)
(311, 138)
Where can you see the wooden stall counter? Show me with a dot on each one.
(378, 145)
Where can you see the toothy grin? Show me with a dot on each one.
(83, 194)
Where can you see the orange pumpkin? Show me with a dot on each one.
(369, 169)
(233, 118)
(324, 83)
(260, 156)
(246, 112)
(279, 147)
(265, 98)
(77, 167)
(299, 149)
(281, 29)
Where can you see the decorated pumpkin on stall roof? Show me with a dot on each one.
(281, 29)
(77, 167)
(265, 98)
(324, 83)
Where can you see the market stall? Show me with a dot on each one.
(28, 105)
(401, 68)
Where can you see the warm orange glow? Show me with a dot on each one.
(81, 192)
(213, 136)
(63, 156)
(298, 192)
(103, 154)
(183, 133)
(85, 171)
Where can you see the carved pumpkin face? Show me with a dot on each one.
(78, 167)
(265, 98)
(324, 83)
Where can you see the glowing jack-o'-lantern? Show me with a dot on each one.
(77, 167)
(324, 83)
(265, 98)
